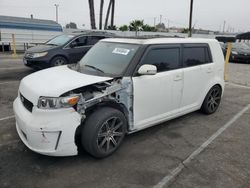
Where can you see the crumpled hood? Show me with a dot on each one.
(53, 82)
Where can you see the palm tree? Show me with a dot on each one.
(92, 14)
(113, 13)
(107, 15)
(136, 25)
(101, 13)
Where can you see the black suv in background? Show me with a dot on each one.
(62, 49)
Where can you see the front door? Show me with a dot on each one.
(157, 97)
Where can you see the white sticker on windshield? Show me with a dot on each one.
(121, 51)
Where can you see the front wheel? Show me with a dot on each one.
(103, 132)
(212, 100)
(58, 61)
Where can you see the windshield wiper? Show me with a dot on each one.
(95, 68)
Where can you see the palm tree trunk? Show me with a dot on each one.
(107, 15)
(101, 13)
(113, 13)
(92, 14)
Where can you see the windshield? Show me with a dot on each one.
(241, 46)
(109, 58)
(60, 40)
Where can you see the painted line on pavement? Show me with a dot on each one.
(2, 83)
(6, 118)
(167, 180)
(12, 68)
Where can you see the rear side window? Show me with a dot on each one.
(94, 39)
(164, 59)
(193, 56)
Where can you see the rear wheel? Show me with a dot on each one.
(212, 100)
(103, 132)
(58, 61)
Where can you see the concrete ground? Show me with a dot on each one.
(146, 159)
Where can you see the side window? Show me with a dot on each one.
(164, 59)
(193, 56)
(94, 39)
(81, 41)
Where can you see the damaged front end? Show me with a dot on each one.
(116, 93)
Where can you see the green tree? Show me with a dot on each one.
(123, 28)
(147, 27)
(110, 27)
(136, 25)
(71, 25)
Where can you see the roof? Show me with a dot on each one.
(10, 22)
(159, 40)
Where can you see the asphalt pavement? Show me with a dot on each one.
(177, 153)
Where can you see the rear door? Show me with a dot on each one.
(198, 71)
(158, 96)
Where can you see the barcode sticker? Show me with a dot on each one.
(121, 51)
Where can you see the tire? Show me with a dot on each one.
(212, 100)
(103, 132)
(58, 61)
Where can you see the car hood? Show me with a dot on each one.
(54, 82)
(40, 48)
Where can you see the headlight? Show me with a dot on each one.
(234, 53)
(57, 102)
(36, 55)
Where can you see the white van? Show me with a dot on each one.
(121, 86)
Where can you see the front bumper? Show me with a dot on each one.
(48, 132)
(36, 63)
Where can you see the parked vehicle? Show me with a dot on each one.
(63, 49)
(240, 53)
(119, 87)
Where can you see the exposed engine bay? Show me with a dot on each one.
(117, 92)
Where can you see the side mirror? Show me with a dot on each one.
(147, 70)
(73, 44)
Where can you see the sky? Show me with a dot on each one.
(207, 14)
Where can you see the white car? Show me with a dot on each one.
(121, 86)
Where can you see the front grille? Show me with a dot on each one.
(26, 103)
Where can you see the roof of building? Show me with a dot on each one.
(159, 40)
(10, 22)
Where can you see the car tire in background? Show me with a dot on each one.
(58, 61)
(103, 132)
(212, 100)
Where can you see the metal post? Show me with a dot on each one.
(190, 18)
(229, 48)
(57, 5)
(14, 45)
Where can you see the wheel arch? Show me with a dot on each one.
(59, 55)
(106, 103)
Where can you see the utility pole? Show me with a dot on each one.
(190, 18)
(154, 21)
(57, 5)
(160, 18)
(224, 25)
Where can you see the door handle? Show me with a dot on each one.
(177, 77)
